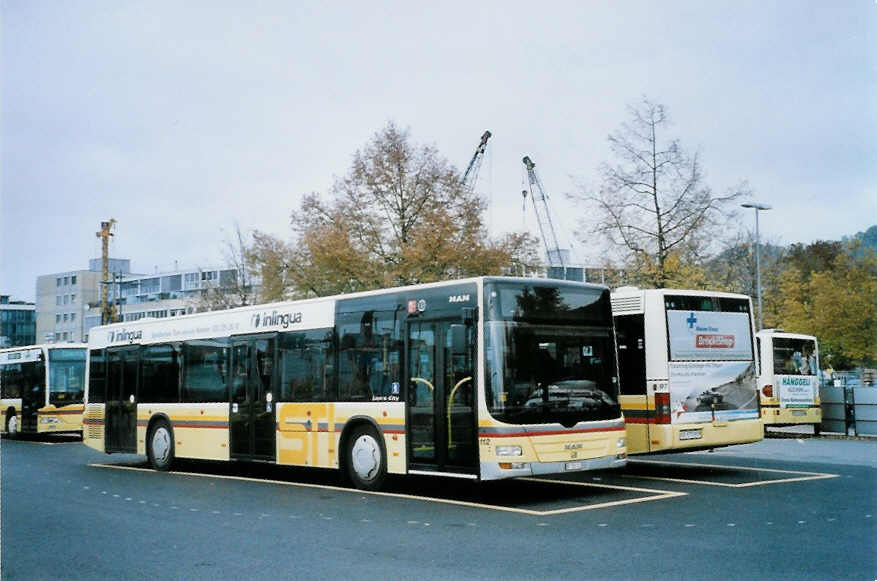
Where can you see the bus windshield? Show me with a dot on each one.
(792, 356)
(550, 354)
(66, 376)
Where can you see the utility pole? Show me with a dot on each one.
(107, 310)
(758, 206)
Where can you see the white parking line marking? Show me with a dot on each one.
(654, 494)
(807, 475)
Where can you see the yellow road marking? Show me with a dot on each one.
(807, 475)
(658, 494)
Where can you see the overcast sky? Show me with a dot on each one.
(180, 119)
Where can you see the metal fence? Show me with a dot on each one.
(849, 409)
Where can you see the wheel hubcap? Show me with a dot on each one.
(161, 445)
(366, 457)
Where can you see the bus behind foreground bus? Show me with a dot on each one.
(789, 382)
(688, 372)
(42, 388)
(481, 379)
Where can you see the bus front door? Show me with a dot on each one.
(121, 404)
(33, 394)
(252, 413)
(441, 407)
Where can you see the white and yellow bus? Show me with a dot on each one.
(789, 380)
(483, 379)
(687, 369)
(42, 388)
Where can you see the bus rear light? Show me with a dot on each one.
(512, 465)
(662, 408)
(767, 390)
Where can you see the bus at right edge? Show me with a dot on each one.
(789, 382)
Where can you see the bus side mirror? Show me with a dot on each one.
(458, 339)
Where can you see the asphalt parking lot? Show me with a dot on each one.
(797, 508)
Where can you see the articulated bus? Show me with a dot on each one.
(789, 380)
(688, 372)
(482, 379)
(42, 388)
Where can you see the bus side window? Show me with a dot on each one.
(370, 345)
(161, 374)
(758, 351)
(97, 376)
(205, 363)
(303, 359)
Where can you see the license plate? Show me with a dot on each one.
(574, 465)
(690, 435)
(799, 413)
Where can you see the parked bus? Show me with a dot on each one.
(483, 379)
(687, 369)
(789, 380)
(42, 388)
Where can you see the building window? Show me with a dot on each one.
(66, 299)
(73, 279)
(73, 298)
(58, 281)
(72, 317)
(58, 300)
(66, 280)
(57, 319)
(65, 317)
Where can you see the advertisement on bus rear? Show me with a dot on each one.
(712, 391)
(796, 391)
(709, 336)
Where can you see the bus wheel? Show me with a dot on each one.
(12, 427)
(366, 462)
(160, 445)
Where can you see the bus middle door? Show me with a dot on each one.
(121, 404)
(252, 416)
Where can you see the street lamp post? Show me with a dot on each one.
(757, 206)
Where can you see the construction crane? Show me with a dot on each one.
(471, 175)
(108, 311)
(553, 252)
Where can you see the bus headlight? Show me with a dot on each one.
(50, 420)
(509, 451)
(621, 443)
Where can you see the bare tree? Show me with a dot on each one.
(228, 292)
(652, 201)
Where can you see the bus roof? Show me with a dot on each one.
(311, 313)
(634, 291)
(784, 334)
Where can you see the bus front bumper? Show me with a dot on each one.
(500, 470)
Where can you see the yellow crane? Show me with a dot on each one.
(107, 310)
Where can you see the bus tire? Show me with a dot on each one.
(160, 445)
(13, 428)
(365, 459)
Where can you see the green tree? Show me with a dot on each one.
(838, 305)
